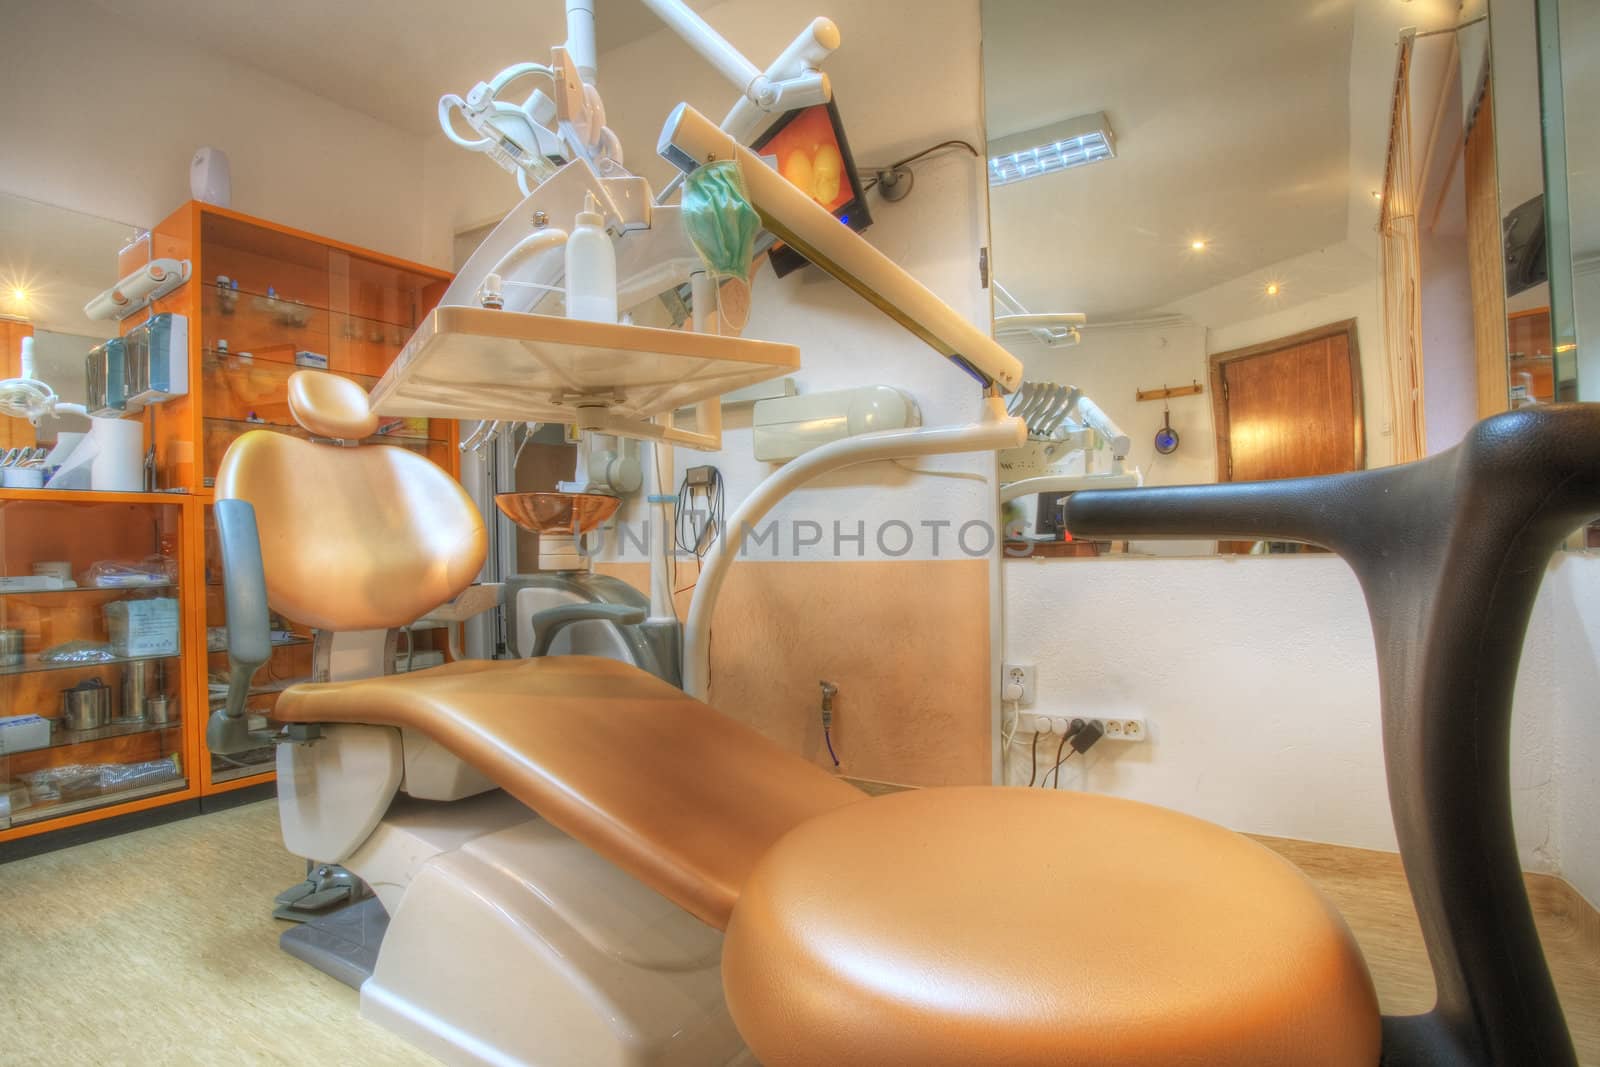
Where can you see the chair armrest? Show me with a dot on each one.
(551, 621)
(249, 639)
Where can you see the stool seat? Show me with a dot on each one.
(977, 926)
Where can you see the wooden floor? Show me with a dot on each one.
(157, 947)
(1369, 888)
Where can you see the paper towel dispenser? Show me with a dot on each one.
(790, 426)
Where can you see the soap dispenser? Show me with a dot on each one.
(591, 267)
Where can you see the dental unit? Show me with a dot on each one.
(451, 820)
(575, 859)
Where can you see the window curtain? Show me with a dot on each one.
(1402, 275)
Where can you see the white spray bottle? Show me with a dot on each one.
(591, 267)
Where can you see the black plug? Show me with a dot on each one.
(1084, 739)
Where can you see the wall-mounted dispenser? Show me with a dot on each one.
(791, 426)
(157, 361)
(105, 369)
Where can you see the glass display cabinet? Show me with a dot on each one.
(112, 615)
(263, 302)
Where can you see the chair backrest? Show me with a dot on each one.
(352, 538)
(1450, 552)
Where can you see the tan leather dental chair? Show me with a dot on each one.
(611, 825)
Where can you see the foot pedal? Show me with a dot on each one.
(343, 944)
(328, 887)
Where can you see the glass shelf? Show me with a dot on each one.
(58, 808)
(33, 665)
(286, 307)
(80, 590)
(243, 425)
(62, 738)
(270, 361)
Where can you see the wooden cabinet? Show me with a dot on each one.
(262, 302)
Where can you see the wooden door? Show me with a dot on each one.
(1290, 408)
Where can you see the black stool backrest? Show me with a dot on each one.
(1450, 552)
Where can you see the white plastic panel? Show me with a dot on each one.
(524, 947)
(791, 426)
(333, 792)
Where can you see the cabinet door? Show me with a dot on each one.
(91, 656)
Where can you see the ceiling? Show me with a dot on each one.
(390, 59)
(1252, 126)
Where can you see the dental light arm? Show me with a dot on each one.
(792, 80)
(27, 397)
(689, 141)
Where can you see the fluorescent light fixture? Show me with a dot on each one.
(1060, 146)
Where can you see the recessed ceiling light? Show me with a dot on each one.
(1198, 245)
(1272, 288)
(19, 294)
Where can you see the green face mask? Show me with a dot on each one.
(718, 217)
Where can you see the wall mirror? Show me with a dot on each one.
(1298, 235)
(1569, 32)
(52, 262)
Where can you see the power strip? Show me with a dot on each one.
(1123, 728)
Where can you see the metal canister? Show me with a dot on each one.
(11, 647)
(158, 708)
(86, 706)
(141, 680)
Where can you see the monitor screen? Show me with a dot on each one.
(808, 147)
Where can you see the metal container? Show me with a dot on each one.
(158, 708)
(141, 680)
(86, 706)
(11, 648)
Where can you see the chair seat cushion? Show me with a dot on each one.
(671, 790)
(1010, 926)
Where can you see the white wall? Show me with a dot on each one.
(104, 114)
(1258, 679)
(1576, 773)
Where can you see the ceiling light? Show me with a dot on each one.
(1272, 288)
(19, 295)
(1197, 245)
(1376, 195)
(1060, 146)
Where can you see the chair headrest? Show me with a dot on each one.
(330, 406)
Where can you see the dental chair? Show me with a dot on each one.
(559, 843)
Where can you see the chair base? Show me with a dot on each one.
(342, 944)
(508, 942)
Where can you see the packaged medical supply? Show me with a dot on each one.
(23, 733)
(143, 627)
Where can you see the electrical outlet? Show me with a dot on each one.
(1025, 675)
(1126, 728)
(1028, 723)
